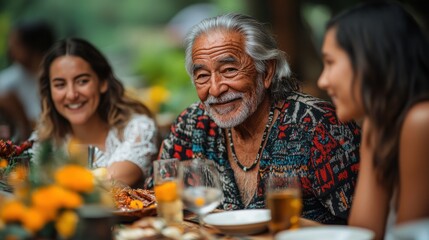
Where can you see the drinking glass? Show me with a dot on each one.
(168, 188)
(202, 191)
(78, 152)
(283, 198)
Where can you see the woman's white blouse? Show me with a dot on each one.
(139, 144)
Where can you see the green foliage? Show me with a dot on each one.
(120, 29)
(48, 231)
(45, 161)
(4, 31)
(15, 231)
(164, 65)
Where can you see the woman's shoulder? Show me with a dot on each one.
(140, 123)
(414, 133)
(137, 124)
(417, 118)
(140, 126)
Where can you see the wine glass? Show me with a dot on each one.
(202, 191)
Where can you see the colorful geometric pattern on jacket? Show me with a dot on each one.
(306, 140)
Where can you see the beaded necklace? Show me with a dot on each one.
(264, 138)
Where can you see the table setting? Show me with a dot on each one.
(195, 183)
(181, 206)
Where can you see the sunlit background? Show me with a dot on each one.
(143, 38)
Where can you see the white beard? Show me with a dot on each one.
(250, 101)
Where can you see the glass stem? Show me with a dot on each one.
(200, 220)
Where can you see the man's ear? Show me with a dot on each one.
(269, 73)
(104, 86)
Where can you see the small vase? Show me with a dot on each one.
(95, 222)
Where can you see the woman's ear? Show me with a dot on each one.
(104, 86)
(269, 73)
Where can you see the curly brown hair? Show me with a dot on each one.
(115, 108)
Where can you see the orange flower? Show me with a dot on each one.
(33, 220)
(75, 177)
(12, 211)
(18, 175)
(71, 199)
(3, 163)
(48, 199)
(66, 223)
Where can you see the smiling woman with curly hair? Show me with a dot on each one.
(83, 101)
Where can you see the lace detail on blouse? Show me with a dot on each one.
(139, 144)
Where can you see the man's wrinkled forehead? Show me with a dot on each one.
(218, 38)
(224, 46)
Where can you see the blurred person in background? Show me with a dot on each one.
(252, 121)
(376, 69)
(19, 98)
(187, 17)
(83, 102)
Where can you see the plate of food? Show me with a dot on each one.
(131, 204)
(240, 222)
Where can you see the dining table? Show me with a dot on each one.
(191, 224)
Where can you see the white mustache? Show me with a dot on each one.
(223, 99)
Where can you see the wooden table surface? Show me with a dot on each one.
(266, 235)
(190, 224)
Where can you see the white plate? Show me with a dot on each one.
(326, 233)
(240, 222)
(416, 229)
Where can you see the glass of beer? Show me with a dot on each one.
(283, 198)
(168, 188)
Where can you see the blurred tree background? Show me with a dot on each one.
(143, 38)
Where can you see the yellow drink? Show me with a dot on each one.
(169, 203)
(285, 206)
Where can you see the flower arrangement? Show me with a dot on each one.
(10, 153)
(9, 149)
(46, 197)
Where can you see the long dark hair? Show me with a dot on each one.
(389, 54)
(115, 107)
